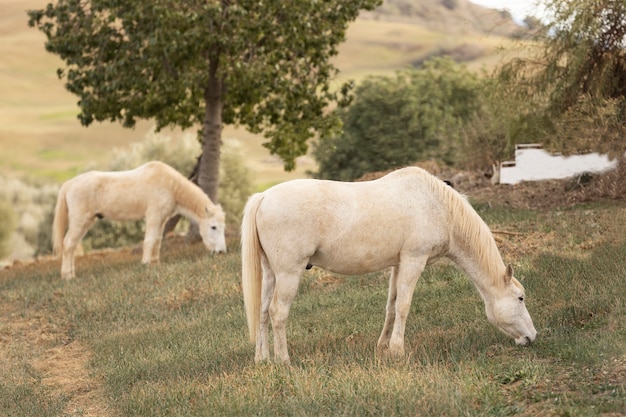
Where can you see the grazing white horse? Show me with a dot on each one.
(154, 191)
(403, 220)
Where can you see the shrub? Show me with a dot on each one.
(235, 182)
(7, 226)
(397, 121)
(180, 152)
(30, 202)
(450, 4)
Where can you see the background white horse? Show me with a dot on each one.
(154, 191)
(404, 220)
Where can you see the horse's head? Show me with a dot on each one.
(212, 229)
(508, 312)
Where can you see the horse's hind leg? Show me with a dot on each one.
(267, 292)
(286, 286)
(390, 313)
(77, 229)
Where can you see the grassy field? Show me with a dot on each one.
(41, 137)
(123, 340)
(170, 340)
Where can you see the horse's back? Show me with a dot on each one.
(393, 194)
(352, 227)
(123, 195)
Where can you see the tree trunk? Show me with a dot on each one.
(209, 163)
(209, 169)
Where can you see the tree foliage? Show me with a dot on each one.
(264, 65)
(395, 121)
(574, 87)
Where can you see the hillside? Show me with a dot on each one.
(41, 137)
(448, 16)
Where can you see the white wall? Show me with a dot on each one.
(533, 164)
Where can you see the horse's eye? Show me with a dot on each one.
(213, 227)
(521, 298)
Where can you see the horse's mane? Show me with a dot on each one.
(190, 196)
(470, 232)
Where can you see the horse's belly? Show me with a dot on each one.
(354, 263)
(133, 205)
(123, 213)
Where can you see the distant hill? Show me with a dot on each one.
(451, 16)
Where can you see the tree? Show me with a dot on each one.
(575, 86)
(261, 64)
(395, 121)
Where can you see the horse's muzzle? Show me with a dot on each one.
(526, 340)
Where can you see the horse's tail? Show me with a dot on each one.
(251, 272)
(59, 225)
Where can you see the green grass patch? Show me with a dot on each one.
(59, 115)
(171, 339)
(49, 154)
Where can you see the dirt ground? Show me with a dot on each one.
(540, 195)
(64, 366)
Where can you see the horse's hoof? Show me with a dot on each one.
(396, 351)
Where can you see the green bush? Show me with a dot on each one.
(235, 183)
(396, 121)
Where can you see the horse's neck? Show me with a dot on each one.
(474, 271)
(188, 212)
(188, 202)
(473, 247)
(484, 271)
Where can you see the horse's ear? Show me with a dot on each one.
(508, 274)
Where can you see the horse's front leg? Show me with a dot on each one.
(152, 240)
(148, 246)
(408, 272)
(390, 314)
(156, 250)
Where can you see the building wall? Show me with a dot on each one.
(532, 163)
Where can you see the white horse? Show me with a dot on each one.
(403, 220)
(154, 191)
